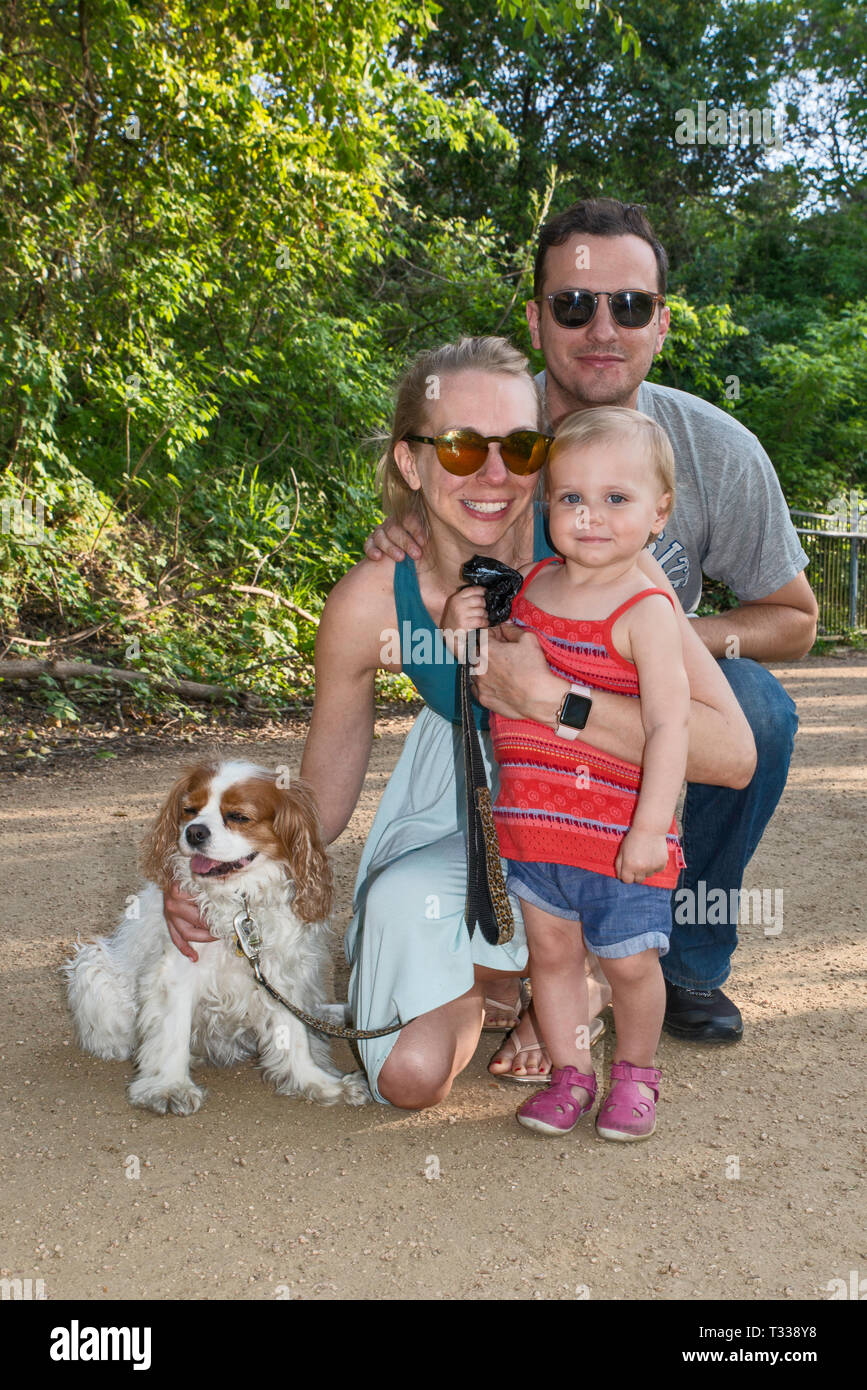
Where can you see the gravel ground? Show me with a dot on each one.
(749, 1189)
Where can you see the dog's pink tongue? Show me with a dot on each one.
(200, 863)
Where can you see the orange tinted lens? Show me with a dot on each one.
(524, 451)
(461, 452)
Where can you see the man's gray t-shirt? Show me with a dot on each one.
(730, 519)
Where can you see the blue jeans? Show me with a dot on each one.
(722, 827)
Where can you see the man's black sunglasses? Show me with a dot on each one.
(629, 308)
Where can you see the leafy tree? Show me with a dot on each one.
(608, 122)
(809, 405)
(224, 229)
(201, 213)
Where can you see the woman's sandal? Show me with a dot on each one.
(597, 1028)
(556, 1111)
(512, 1012)
(626, 1114)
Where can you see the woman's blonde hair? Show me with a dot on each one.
(422, 382)
(605, 422)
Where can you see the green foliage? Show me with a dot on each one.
(695, 348)
(224, 229)
(810, 403)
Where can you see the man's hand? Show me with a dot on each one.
(518, 681)
(641, 855)
(464, 612)
(183, 921)
(395, 541)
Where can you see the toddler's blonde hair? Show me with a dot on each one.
(603, 423)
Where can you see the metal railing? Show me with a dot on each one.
(836, 542)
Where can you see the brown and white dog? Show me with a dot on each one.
(227, 828)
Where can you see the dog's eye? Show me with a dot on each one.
(237, 817)
(189, 811)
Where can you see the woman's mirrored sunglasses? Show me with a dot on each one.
(463, 451)
(629, 308)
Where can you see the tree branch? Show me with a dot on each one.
(278, 598)
(30, 669)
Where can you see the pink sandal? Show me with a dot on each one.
(556, 1111)
(625, 1113)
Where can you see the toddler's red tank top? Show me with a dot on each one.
(563, 801)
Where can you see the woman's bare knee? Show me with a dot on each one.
(413, 1082)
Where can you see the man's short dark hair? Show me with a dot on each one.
(599, 217)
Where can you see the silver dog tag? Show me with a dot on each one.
(246, 934)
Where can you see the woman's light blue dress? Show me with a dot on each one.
(408, 943)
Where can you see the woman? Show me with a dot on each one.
(410, 951)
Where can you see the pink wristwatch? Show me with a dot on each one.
(574, 711)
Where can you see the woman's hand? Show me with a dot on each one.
(396, 541)
(641, 855)
(183, 921)
(464, 612)
(517, 681)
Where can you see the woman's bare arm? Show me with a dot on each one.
(348, 651)
(338, 743)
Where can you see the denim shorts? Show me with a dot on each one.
(618, 919)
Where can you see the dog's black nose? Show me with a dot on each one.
(197, 834)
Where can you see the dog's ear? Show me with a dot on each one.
(161, 840)
(296, 826)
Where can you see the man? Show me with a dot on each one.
(598, 314)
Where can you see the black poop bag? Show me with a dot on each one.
(487, 903)
(500, 582)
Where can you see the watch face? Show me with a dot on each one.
(576, 709)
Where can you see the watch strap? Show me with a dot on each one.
(568, 730)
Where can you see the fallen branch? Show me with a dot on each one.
(137, 614)
(29, 669)
(278, 598)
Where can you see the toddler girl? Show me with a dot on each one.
(591, 838)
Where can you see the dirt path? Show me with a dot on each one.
(262, 1197)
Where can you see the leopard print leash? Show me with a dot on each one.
(487, 902)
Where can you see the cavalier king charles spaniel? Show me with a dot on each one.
(227, 828)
